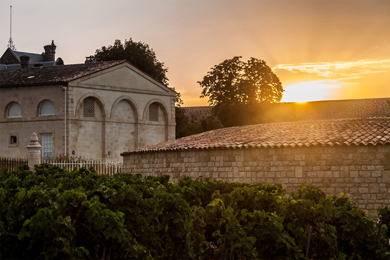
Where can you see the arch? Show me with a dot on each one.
(14, 110)
(97, 98)
(162, 105)
(46, 108)
(132, 103)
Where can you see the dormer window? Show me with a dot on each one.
(14, 110)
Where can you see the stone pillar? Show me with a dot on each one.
(34, 151)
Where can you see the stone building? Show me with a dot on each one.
(94, 110)
(12, 59)
(337, 155)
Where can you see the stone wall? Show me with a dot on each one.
(30, 100)
(121, 122)
(363, 172)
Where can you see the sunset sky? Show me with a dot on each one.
(320, 49)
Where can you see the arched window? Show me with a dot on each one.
(153, 112)
(47, 109)
(89, 107)
(14, 110)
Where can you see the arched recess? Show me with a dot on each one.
(154, 131)
(164, 109)
(122, 127)
(87, 134)
(98, 100)
(131, 102)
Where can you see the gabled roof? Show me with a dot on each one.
(11, 59)
(334, 132)
(51, 75)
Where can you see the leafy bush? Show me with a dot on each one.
(53, 213)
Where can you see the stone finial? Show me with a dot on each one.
(34, 141)
(34, 151)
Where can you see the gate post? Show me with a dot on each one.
(34, 151)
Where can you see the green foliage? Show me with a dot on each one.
(141, 56)
(137, 53)
(236, 82)
(186, 126)
(211, 122)
(236, 88)
(384, 218)
(51, 213)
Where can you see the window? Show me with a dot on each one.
(47, 109)
(14, 110)
(13, 140)
(47, 145)
(153, 112)
(89, 107)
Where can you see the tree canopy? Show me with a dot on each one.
(236, 82)
(140, 55)
(240, 91)
(137, 53)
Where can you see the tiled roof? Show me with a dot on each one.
(334, 132)
(51, 75)
(314, 110)
(332, 109)
(197, 113)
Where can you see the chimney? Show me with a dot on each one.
(90, 59)
(24, 61)
(50, 52)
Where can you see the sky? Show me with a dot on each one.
(320, 49)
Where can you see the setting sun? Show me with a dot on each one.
(308, 91)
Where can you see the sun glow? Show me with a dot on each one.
(309, 91)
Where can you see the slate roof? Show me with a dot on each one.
(51, 75)
(34, 57)
(334, 132)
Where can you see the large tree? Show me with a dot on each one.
(240, 90)
(140, 55)
(236, 82)
(137, 53)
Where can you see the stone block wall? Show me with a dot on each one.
(363, 172)
(30, 99)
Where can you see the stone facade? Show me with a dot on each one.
(121, 96)
(361, 171)
(30, 100)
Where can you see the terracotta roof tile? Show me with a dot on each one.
(333, 132)
(197, 113)
(314, 110)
